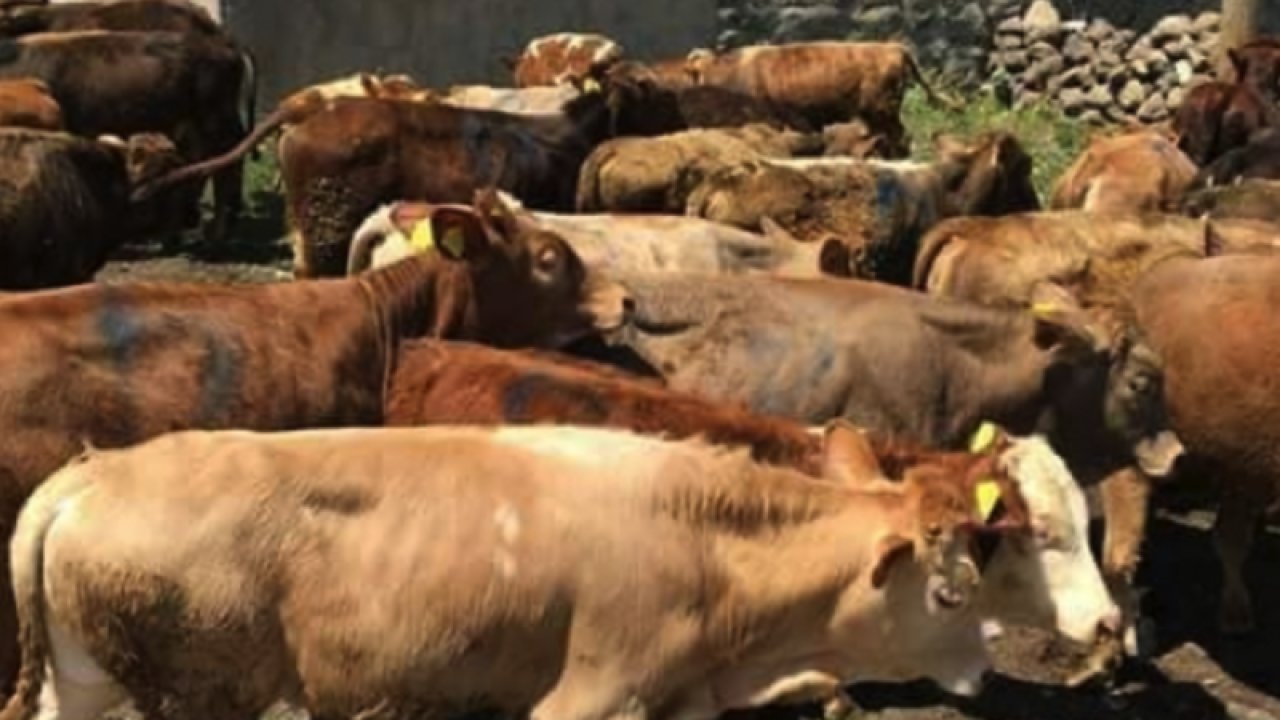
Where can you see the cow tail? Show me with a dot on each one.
(26, 561)
(931, 246)
(205, 168)
(934, 96)
(249, 93)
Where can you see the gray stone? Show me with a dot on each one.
(1042, 15)
(1011, 26)
(1042, 50)
(1076, 77)
(1028, 99)
(970, 22)
(1015, 60)
(1178, 48)
(1037, 76)
(1100, 96)
(1114, 46)
(1198, 79)
(878, 22)
(1208, 44)
(1078, 49)
(1154, 109)
(1115, 113)
(1100, 30)
(1109, 58)
(1000, 9)
(1132, 95)
(1117, 78)
(1093, 117)
(1171, 27)
(1200, 61)
(1173, 99)
(1207, 22)
(730, 39)
(814, 22)
(1072, 101)
(1183, 70)
(1006, 42)
(1054, 86)
(1126, 35)
(1166, 81)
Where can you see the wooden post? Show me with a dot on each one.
(1240, 21)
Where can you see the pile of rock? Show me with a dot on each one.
(1098, 72)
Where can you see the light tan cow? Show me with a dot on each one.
(564, 572)
(1135, 171)
(518, 101)
(556, 59)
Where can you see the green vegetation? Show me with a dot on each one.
(1052, 139)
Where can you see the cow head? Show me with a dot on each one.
(990, 177)
(525, 285)
(146, 157)
(1257, 64)
(854, 139)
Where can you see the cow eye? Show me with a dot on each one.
(548, 259)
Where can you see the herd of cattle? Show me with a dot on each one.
(665, 439)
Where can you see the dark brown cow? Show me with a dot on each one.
(1217, 117)
(66, 205)
(828, 82)
(1259, 159)
(123, 83)
(27, 103)
(1249, 200)
(341, 163)
(114, 365)
(555, 59)
(1257, 64)
(1213, 324)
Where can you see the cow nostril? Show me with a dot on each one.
(628, 307)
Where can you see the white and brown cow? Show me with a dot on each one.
(555, 59)
(556, 571)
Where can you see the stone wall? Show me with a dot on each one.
(441, 42)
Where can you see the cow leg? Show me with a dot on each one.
(77, 688)
(577, 697)
(1233, 532)
(1126, 497)
(228, 188)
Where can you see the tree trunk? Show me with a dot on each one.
(1240, 21)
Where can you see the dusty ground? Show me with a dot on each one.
(1196, 674)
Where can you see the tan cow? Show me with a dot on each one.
(407, 573)
(1136, 171)
(555, 59)
(28, 103)
(518, 101)
(828, 82)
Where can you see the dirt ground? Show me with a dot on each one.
(1195, 674)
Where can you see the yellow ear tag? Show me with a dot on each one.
(454, 242)
(423, 237)
(1044, 308)
(982, 438)
(590, 85)
(986, 494)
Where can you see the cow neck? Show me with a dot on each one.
(409, 300)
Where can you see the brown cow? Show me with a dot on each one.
(1257, 64)
(827, 82)
(124, 83)
(1249, 200)
(114, 365)
(1214, 327)
(66, 205)
(1218, 117)
(1135, 171)
(508, 575)
(340, 164)
(656, 175)
(555, 59)
(871, 214)
(1259, 160)
(27, 103)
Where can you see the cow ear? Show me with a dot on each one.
(847, 456)
(889, 550)
(1062, 324)
(458, 234)
(495, 213)
(835, 259)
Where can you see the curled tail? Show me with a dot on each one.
(249, 92)
(934, 96)
(26, 559)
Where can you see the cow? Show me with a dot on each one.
(342, 163)
(1001, 261)
(515, 583)
(1217, 117)
(656, 175)
(1135, 171)
(67, 206)
(114, 365)
(124, 83)
(27, 103)
(1249, 199)
(1257, 64)
(828, 82)
(1259, 160)
(871, 214)
(536, 100)
(555, 59)
(1220, 396)
(928, 369)
(853, 139)
(630, 243)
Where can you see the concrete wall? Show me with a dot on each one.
(440, 42)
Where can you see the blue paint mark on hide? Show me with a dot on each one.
(220, 376)
(791, 370)
(571, 403)
(120, 329)
(887, 192)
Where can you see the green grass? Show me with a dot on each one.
(1052, 139)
